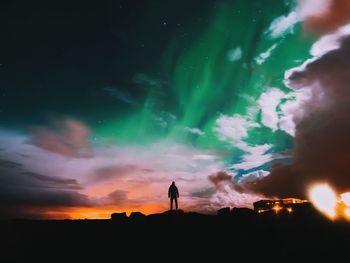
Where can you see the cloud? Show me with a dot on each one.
(255, 156)
(119, 95)
(204, 193)
(312, 8)
(232, 198)
(229, 192)
(220, 177)
(9, 164)
(265, 55)
(281, 110)
(285, 110)
(233, 128)
(145, 80)
(304, 96)
(110, 172)
(329, 42)
(22, 191)
(308, 10)
(234, 54)
(283, 24)
(136, 175)
(164, 119)
(253, 176)
(194, 131)
(334, 14)
(322, 140)
(292, 110)
(67, 137)
(118, 195)
(268, 101)
(54, 182)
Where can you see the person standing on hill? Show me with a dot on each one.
(173, 194)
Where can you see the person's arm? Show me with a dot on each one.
(169, 192)
(177, 192)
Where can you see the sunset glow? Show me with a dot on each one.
(105, 213)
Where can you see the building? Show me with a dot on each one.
(277, 205)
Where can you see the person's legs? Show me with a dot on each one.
(171, 203)
(176, 203)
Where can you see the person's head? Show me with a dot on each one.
(173, 183)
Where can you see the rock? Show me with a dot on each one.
(137, 216)
(224, 211)
(121, 217)
(174, 212)
(243, 212)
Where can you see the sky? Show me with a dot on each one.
(103, 105)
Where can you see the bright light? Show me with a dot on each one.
(277, 208)
(346, 198)
(324, 198)
(347, 212)
(289, 209)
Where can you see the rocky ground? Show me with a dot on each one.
(177, 235)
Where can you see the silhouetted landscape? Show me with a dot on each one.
(231, 233)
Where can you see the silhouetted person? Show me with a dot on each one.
(173, 194)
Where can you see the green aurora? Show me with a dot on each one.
(201, 80)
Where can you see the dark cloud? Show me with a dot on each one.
(54, 181)
(27, 191)
(33, 197)
(322, 151)
(337, 14)
(222, 178)
(328, 76)
(219, 178)
(67, 137)
(9, 164)
(106, 173)
(204, 193)
(117, 196)
(24, 155)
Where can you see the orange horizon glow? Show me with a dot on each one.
(97, 212)
(105, 213)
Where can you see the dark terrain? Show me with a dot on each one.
(232, 234)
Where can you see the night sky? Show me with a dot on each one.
(104, 104)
